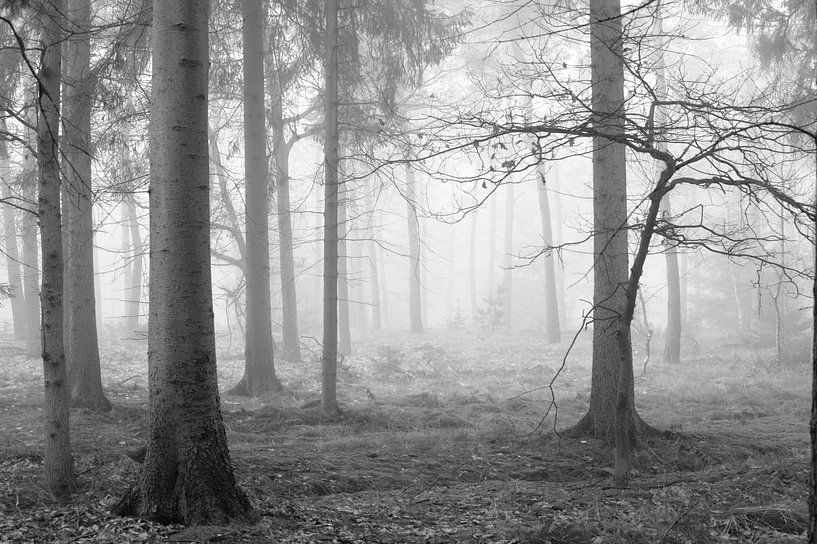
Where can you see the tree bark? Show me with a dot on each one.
(59, 465)
(82, 348)
(187, 476)
(552, 322)
(259, 370)
(492, 248)
(609, 395)
(329, 357)
(291, 349)
(415, 303)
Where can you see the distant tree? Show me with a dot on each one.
(415, 286)
(259, 370)
(187, 476)
(82, 346)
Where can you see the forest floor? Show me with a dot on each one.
(443, 438)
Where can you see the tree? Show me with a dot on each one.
(415, 288)
(82, 347)
(552, 323)
(329, 357)
(59, 465)
(186, 476)
(259, 370)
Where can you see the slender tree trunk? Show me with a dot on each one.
(59, 466)
(344, 325)
(374, 283)
(383, 282)
(329, 358)
(10, 242)
(187, 476)
(30, 261)
(135, 287)
(492, 247)
(415, 304)
(558, 239)
(672, 348)
(509, 251)
(472, 267)
(259, 370)
(234, 225)
(552, 322)
(82, 348)
(451, 260)
(291, 342)
(684, 286)
(611, 394)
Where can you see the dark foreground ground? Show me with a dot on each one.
(443, 440)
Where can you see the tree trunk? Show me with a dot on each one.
(552, 323)
(10, 245)
(59, 466)
(415, 304)
(812, 498)
(30, 261)
(344, 325)
(82, 348)
(374, 284)
(259, 366)
(135, 287)
(291, 349)
(609, 395)
(492, 248)
(507, 280)
(187, 476)
(558, 240)
(329, 357)
(472, 267)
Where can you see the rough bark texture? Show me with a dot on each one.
(415, 302)
(59, 469)
(329, 358)
(259, 370)
(812, 498)
(82, 348)
(291, 349)
(552, 323)
(610, 226)
(187, 476)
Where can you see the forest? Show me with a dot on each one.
(397, 271)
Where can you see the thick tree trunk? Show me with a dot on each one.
(812, 498)
(291, 349)
(329, 357)
(609, 395)
(672, 348)
(82, 348)
(134, 297)
(59, 466)
(507, 280)
(552, 323)
(415, 304)
(187, 476)
(259, 370)
(15, 281)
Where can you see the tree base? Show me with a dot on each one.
(586, 428)
(94, 403)
(241, 389)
